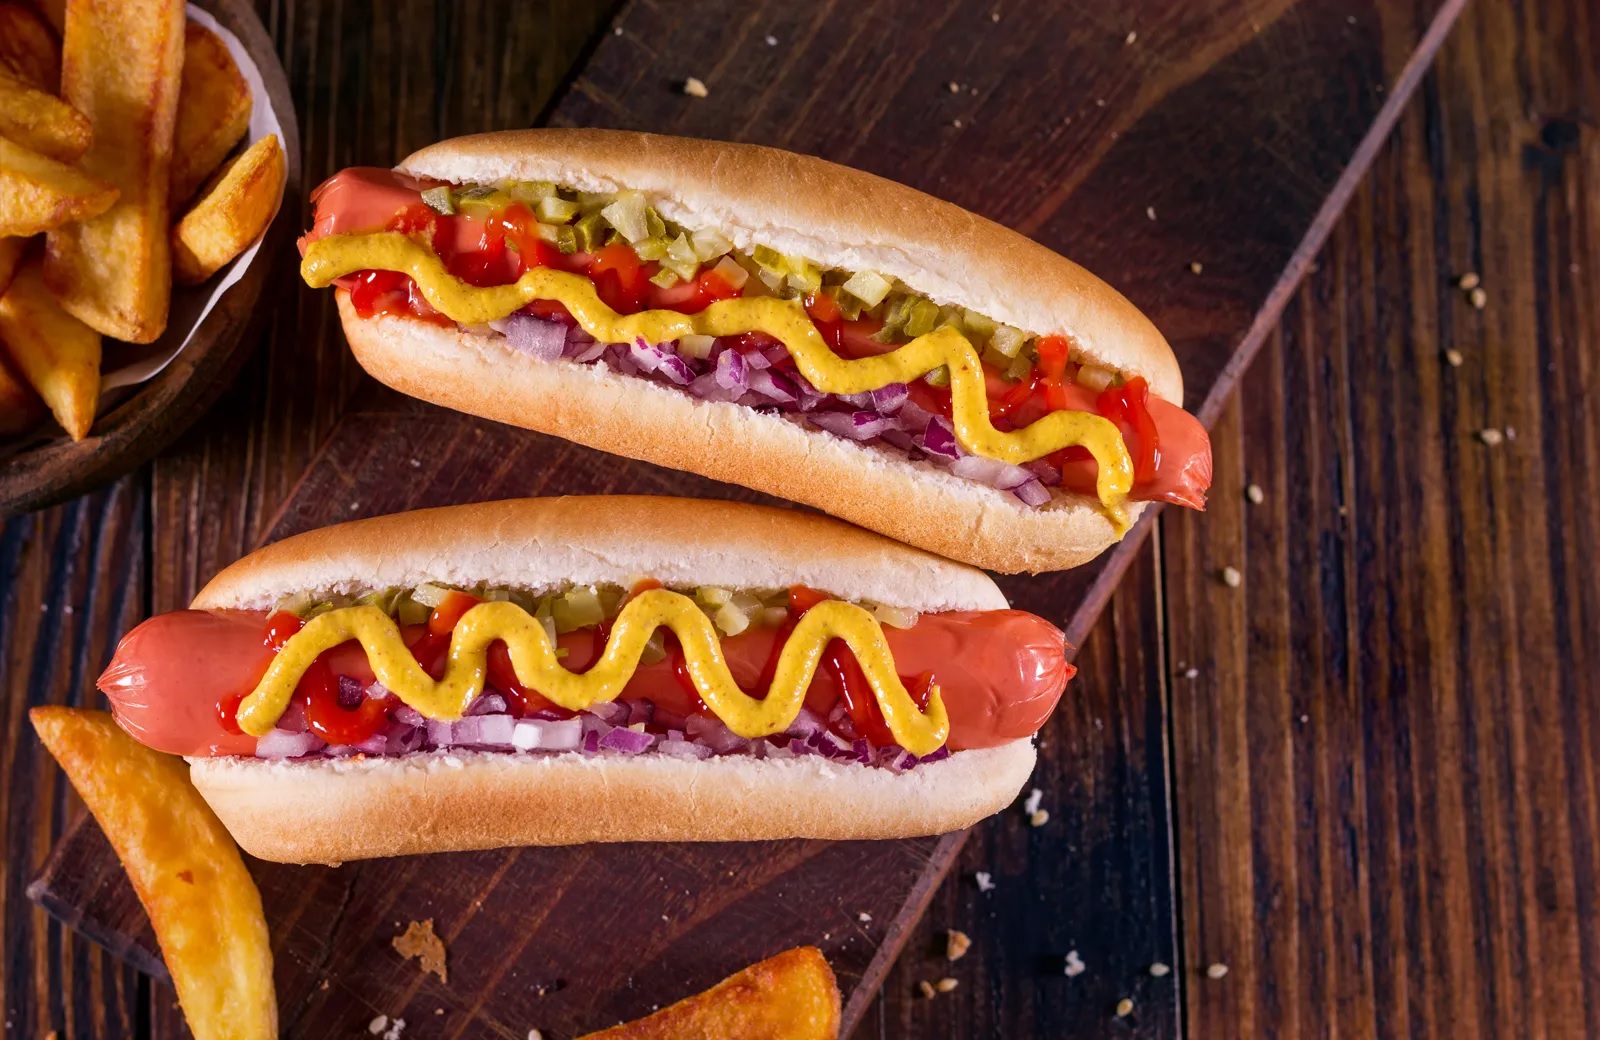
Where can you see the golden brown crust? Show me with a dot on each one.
(916, 503)
(542, 542)
(330, 811)
(837, 216)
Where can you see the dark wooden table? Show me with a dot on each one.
(1365, 780)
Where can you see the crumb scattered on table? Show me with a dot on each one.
(772, 41)
(1216, 971)
(1195, 267)
(1468, 281)
(378, 1025)
(1479, 298)
(419, 941)
(946, 984)
(1454, 358)
(953, 87)
(1231, 577)
(695, 88)
(956, 944)
(864, 917)
(1075, 965)
(1491, 436)
(1159, 970)
(926, 989)
(1131, 37)
(1038, 818)
(985, 881)
(1150, 211)
(1124, 1007)
(1255, 494)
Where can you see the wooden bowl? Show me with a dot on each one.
(145, 418)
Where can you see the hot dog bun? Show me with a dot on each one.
(319, 810)
(333, 811)
(833, 215)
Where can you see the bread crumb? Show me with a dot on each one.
(1075, 965)
(1130, 38)
(1216, 971)
(1124, 1007)
(1454, 358)
(1030, 805)
(946, 984)
(419, 941)
(1191, 673)
(534, 1034)
(695, 88)
(378, 1025)
(1491, 436)
(864, 917)
(956, 945)
(1255, 494)
(985, 881)
(1195, 267)
(994, 16)
(1479, 298)
(956, 123)
(1231, 577)
(772, 41)
(1150, 211)
(926, 988)
(1159, 970)
(953, 87)
(396, 1027)
(617, 31)
(1468, 281)
(1038, 818)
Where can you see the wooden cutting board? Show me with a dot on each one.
(1137, 143)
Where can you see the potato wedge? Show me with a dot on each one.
(28, 47)
(56, 353)
(121, 64)
(213, 112)
(10, 259)
(38, 193)
(20, 408)
(185, 868)
(41, 121)
(231, 213)
(792, 996)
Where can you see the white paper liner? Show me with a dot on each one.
(138, 363)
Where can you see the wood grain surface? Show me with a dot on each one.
(1382, 767)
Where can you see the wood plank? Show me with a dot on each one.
(1388, 756)
(1036, 151)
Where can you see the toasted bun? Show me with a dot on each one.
(840, 218)
(330, 811)
(915, 502)
(540, 543)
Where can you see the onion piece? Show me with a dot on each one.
(627, 741)
(731, 371)
(536, 337)
(889, 398)
(279, 743)
(939, 438)
(992, 472)
(484, 731)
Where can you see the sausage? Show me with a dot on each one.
(1001, 673)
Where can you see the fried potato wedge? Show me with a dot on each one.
(792, 996)
(56, 353)
(121, 65)
(231, 213)
(28, 47)
(10, 259)
(186, 869)
(41, 121)
(38, 193)
(20, 408)
(213, 112)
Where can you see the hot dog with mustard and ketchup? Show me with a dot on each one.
(770, 319)
(556, 671)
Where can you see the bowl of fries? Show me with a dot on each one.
(145, 150)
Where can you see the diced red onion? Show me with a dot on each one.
(992, 472)
(487, 704)
(773, 385)
(1032, 492)
(293, 718)
(409, 716)
(279, 743)
(640, 711)
(536, 337)
(652, 358)
(731, 371)
(586, 353)
(614, 713)
(756, 359)
(857, 426)
(776, 354)
(805, 724)
(856, 400)
(939, 438)
(1047, 473)
(683, 749)
(710, 731)
(627, 741)
(484, 731)
(439, 733)
(902, 440)
(377, 744)
(351, 693)
(547, 735)
(913, 418)
(888, 399)
(707, 388)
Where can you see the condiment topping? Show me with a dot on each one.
(536, 665)
(339, 255)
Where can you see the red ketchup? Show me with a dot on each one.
(1000, 672)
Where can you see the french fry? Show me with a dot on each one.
(185, 868)
(121, 65)
(10, 259)
(28, 47)
(41, 121)
(56, 353)
(38, 193)
(792, 996)
(213, 112)
(231, 213)
(20, 407)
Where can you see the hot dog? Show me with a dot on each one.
(588, 663)
(771, 319)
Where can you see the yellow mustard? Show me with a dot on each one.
(785, 320)
(534, 660)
